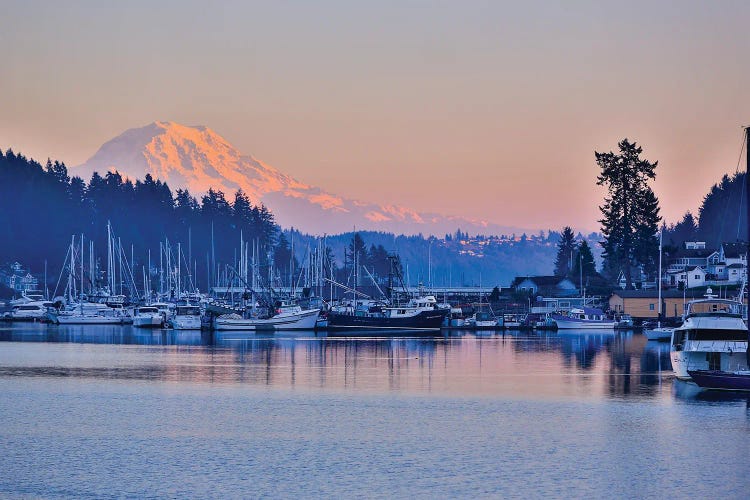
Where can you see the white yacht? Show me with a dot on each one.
(186, 318)
(26, 297)
(87, 313)
(712, 337)
(30, 311)
(287, 317)
(147, 317)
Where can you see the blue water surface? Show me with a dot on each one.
(113, 412)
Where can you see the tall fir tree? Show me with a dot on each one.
(584, 266)
(565, 250)
(630, 211)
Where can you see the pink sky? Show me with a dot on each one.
(477, 109)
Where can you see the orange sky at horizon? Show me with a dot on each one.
(481, 109)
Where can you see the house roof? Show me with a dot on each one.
(735, 266)
(654, 294)
(692, 253)
(734, 250)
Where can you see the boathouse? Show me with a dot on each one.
(644, 304)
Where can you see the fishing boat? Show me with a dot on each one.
(288, 316)
(419, 314)
(712, 337)
(584, 318)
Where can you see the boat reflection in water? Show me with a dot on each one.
(524, 364)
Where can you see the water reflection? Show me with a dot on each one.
(528, 364)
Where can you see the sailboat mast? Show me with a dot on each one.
(658, 320)
(747, 204)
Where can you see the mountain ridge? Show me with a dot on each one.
(197, 158)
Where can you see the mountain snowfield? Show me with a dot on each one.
(197, 158)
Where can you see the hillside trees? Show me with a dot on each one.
(42, 207)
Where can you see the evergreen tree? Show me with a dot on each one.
(283, 260)
(356, 252)
(630, 210)
(722, 216)
(584, 261)
(685, 230)
(565, 249)
(42, 203)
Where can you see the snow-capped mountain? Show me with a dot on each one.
(197, 158)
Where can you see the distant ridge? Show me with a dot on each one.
(197, 158)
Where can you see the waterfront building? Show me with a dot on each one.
(644, 304)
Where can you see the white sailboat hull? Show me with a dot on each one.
(88, 320)
(572, 324)
(658, 333)
(304, 320)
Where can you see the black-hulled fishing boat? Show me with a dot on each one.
(421, 314)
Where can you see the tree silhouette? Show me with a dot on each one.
(565, 249)
(630, 210)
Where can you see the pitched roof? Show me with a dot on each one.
(654, 294)
(692, 253)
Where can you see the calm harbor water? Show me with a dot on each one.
(99, 412)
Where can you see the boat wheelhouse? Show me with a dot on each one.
(712, 337)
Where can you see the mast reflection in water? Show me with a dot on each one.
(101, 412)
(529, 365)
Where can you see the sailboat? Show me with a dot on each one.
(660, 332)
(727, 379)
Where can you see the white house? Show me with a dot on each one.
(692, 277)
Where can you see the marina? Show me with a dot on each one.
(344, 250)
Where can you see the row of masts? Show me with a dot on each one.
(82, 277)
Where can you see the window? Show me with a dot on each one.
(697, 276)
(651, 307)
